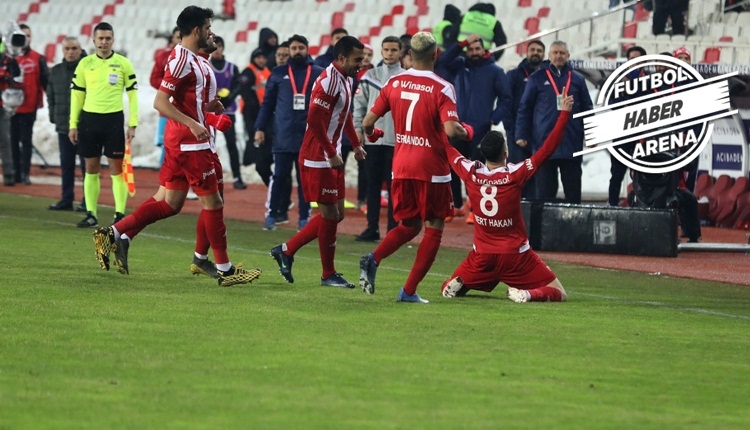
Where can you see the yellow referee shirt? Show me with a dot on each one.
(98, 84)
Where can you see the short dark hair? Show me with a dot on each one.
(219, 40)
(339, 30)
(669, 54)
(284, 44)
(538, 42)
(103, 26)
(493, 146)
(298, 38)
(346, 45)
(635, 49)
(392, 39)
(191, 17)
(24, 26)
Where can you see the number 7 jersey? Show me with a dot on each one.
(420, 102)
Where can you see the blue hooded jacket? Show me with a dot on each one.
(477, 86)
(538, 112)
(288, 124)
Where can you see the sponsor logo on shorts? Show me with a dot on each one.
(209, 173)
(330, 191)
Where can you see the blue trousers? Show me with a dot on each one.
(68, 167)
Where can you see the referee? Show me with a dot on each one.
(97, 119)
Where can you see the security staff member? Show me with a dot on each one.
(97, 119)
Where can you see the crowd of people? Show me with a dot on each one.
(433, 97)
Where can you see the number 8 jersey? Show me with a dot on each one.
(420, 102)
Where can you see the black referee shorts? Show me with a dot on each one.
(101, 133)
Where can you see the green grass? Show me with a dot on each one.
(85, 348)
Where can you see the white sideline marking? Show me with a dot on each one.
(663, 305)
(431, 274)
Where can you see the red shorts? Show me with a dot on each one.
(186, 169)
(219, 172)
(413, 198)
(524, 271)
(322, 185)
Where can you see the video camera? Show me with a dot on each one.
(14, 39)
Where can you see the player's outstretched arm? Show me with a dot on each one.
(456, 130)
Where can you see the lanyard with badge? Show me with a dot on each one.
(557, 92)
(298, 98)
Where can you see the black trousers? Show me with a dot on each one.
(21, 145)
(378, 166)
(68, 153)
(687, 211)
(672, 9)
(570, 174)
(234, 155)
(465, 148)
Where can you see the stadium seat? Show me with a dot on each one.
(711, 55)
(727, 213)
(532, 25)
(337, 20)
(524, 3)
(241, 37)
(703, 185)
(543, 12)
(723, 183)
(630, 30)
(743, 211)
(349, 7)
(641, 14)
(50, 51)
(726, 39)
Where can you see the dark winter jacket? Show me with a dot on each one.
(288, 124)
(58, 94)
(268, 50)
(478, 87)
(538, 112)
(517, 79)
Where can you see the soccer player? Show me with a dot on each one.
(189, 160)
(320, 161)
(501, 251)
(423, 106)
(97, 120)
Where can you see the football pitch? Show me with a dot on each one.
(84, 348)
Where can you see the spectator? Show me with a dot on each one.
(518, 78)
(10, 74)
(379, 153)
(424, 110)
(228, 87)
(35, 76)
(446, 31)
(268, 42)
(96, 108)
(157, 72)
(501, 251)
(321, 162)
(325, 59)
(58, 102)
(617, 169)
(480, 20)
(483, 97)
(539, 105)
(284, 110)
(674, 10)
(253, 82)
(361, 170)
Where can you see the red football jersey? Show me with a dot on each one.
(329, 116)
(188, 79)
(495, 195)
(420, 102)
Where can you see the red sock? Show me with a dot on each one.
(216, 231)
(394, 240)
(327, 245)
(426, 253)
(202, 244)
(304, 236)
(545, 294)
(147, 213)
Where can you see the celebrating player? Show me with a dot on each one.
(424, 110)
(189, 160)
(501, 251)
(321, 165)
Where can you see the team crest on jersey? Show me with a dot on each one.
(395, 84)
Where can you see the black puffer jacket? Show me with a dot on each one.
(58, 94)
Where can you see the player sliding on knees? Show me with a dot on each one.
(501, 251)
